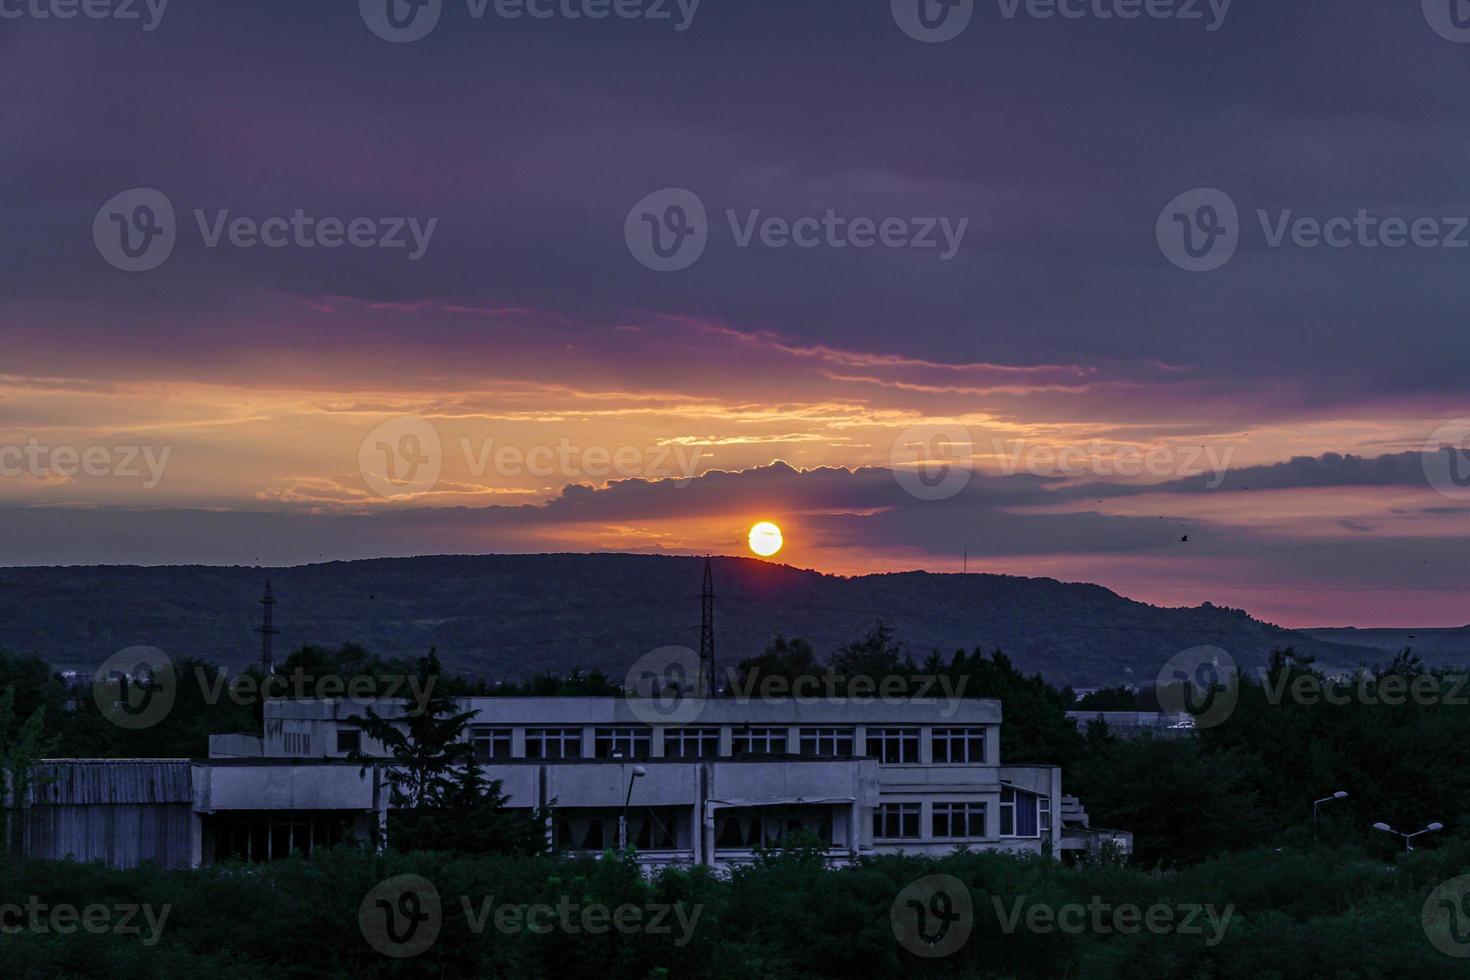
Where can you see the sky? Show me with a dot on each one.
(1166, 296)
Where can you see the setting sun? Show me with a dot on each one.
(765, 539)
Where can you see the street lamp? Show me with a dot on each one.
(1408, 838)
(638, 773)
(1339, 795)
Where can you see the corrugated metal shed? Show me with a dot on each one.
(119, 811)
(72, 782)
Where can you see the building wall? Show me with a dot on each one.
(118, 811)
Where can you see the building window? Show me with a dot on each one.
(826, 741)
(490, 743)
(759, 741)
(893, 746)
(297, 743)
(1021, 813)
(746, 828)
(959, 745)
(349, 740)
(691, 743)
(553, 743)
(959, 820)
(896, 821)
(622, 743)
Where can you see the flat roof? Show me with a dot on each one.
(691, 712)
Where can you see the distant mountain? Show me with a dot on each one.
(1434, 646)
(516, 615)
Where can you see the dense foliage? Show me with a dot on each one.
(1292, 914)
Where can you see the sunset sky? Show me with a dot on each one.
(760, 383)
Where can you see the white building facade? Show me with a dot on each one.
(709, 784)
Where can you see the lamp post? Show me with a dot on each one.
(1408, 838)
(638, 773)
(1339, 795)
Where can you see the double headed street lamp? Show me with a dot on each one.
(638, 772)
(1408, 838)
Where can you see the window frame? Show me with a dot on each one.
(815, 741)
(564, 736)
(701, 736)
(622, 742)
(967, 811)
(495, 736)
(767, 734)
(885, 738)
(962, 736)
(899, 812)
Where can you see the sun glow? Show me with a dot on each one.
(765, 539)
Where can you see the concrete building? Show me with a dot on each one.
(724, 778)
